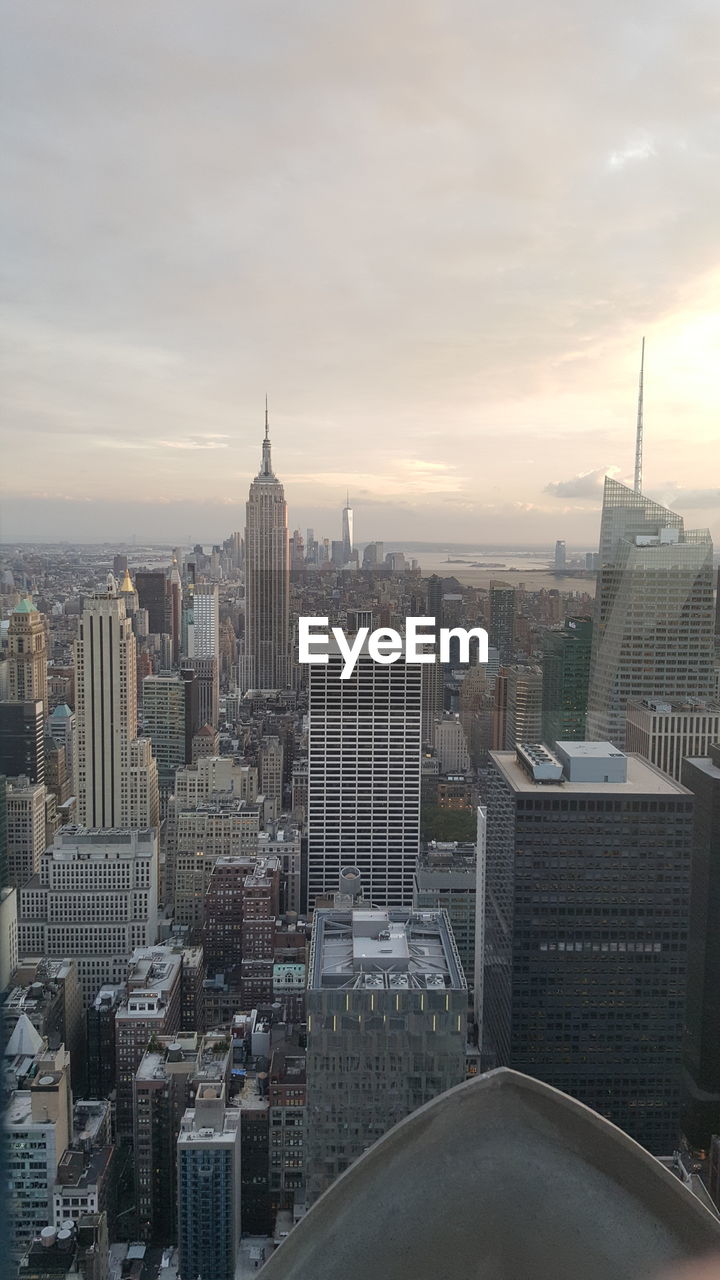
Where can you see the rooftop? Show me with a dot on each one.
(396, 948)
(79, 1170)
(675, 706)
(643, 779)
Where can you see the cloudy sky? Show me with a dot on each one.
(434, 233)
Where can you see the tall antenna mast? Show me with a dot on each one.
(639, 432)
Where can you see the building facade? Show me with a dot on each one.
(27, 656)
(266, 654)
(95, 898)
(654, 611)
(208, 1173)
(386, 1028)
(364, 765)
(702, 1043)
(566, 672)
(586, 885)
(666, 732)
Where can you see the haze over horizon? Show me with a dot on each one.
(435, 235)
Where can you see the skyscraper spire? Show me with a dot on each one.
(266, 468)
(639, 432)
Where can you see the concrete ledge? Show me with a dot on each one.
(501, 1178)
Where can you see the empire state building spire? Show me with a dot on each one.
(266, 468)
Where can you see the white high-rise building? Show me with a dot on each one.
(347, 531)
(113, 790)
(450, 744)
(95, 898)
(265, 663)
(204, 630)
(654, 611)
(364, 752)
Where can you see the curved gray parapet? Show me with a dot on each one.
(502, 1178)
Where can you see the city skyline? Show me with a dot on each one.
(443, 286)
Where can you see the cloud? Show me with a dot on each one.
(197, 443)
(588, 484)
(639, 149)
(675, 496)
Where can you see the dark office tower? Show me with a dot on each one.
(152, 589)
(585, 930)
(22, 740)
(502, 619)
(435, 599)
(120, 564)
(206, 694)
(3, 833)
(702, 1044)
(566, 671)
(654, 613)
(192, 709)
(101, 1063)
(364, 777)
(266, 657)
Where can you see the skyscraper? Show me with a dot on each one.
(110, 786)
(266, 660)
(566, 671)
(364, 777)
(666, 732)
(347, 531)
(586, 887)
(153, 594)
(386, 1028)
(22, 740)
(204, 630)
(502, 619)
(27, 655)
(523, 715)
(654, 612)
(168, 720)
(208, 1171)
(702, 1042)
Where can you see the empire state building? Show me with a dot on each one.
(266, 661)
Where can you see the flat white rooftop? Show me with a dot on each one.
(591, 750)
(643, 779)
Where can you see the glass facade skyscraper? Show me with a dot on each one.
(654, 611)
(566, 671)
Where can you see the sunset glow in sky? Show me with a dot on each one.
(434, 233)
